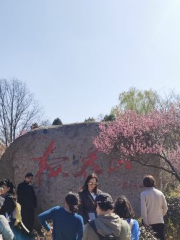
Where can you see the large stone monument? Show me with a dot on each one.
(60, 157)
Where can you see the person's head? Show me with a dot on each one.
(7, 187)
(91, 183)
(104, 203)
(29, 177)
(149, 181)
(123, 208)
(72, 202)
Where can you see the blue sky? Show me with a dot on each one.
(76, 56)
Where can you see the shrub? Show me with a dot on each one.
(172, 218)
(146, 233)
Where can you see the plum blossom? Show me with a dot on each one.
(133, 135)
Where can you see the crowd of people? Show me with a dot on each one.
(90, 214)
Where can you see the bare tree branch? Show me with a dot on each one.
(18, 109)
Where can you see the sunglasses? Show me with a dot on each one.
(90, 183)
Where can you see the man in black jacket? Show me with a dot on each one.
(27, 200)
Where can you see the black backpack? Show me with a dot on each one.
(107, 237)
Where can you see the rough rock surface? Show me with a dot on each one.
(61, 157)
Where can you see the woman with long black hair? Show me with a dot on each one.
(88, 193)
(123, 209)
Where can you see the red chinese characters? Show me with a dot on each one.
(55, 165)
(119, 163)
(53, 169)
(89, 161)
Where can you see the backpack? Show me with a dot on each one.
(107, 237)
(18, 219)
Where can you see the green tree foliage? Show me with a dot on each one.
(141, 101)
(57, 121)
(90, 119)
(110, 117)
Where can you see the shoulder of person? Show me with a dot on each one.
(21, 184)
(147, 191)
(143, 193)
(133, 222)
(158, 191)
(124, 223)
(79, 217)
(56, 209)
(80, 192)
(136, 224)
(83, 192)
(10, 198)
(3, 218)
(4, 221)
(121, 220)
(87, 226)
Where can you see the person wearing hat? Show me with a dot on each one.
(107, 224)
(5, 230)
(67, 224)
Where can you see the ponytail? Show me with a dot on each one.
(72, 200)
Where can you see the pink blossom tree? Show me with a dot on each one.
(134, 137)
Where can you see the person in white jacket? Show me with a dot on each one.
(153, 207)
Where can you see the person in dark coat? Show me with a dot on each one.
(88, 194)
(27, 200)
